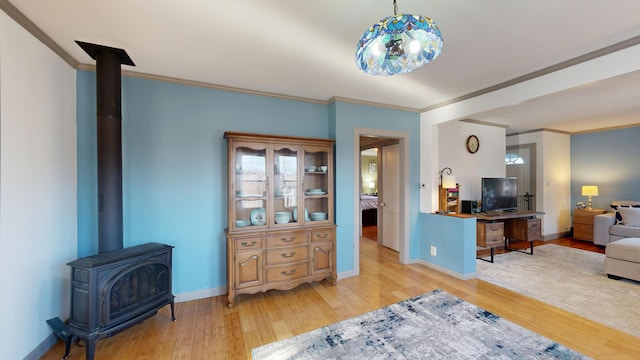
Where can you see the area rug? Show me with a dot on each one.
(435, 325)
(571, 279)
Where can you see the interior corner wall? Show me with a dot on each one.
(37, 189)
(469, 168)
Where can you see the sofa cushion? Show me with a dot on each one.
(630, 216)
(624, 231)
(622, 203)
(625, 249)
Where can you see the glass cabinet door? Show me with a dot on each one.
(250, 185)
(286, 179)
(317, 184)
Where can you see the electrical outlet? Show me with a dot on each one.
(434, 251)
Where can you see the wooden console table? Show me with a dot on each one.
(494, 229)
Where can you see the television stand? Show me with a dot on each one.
(495, 230)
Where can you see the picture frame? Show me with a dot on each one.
(372, 168)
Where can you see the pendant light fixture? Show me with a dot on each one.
(398, 44)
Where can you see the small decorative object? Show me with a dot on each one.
(580, 205)
(473, 144)
(398, 44)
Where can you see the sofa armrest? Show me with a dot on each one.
(601, 225)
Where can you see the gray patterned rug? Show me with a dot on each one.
(435, 325)
(571, 279)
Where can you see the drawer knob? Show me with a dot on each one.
(285, 255)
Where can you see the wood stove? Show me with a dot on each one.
(114, 290)
(119, 287)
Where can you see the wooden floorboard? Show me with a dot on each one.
(208, 329)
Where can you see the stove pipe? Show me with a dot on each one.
(109, 138)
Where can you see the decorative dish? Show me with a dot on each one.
(258, 216)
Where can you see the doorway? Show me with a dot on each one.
(520, 162)
(369, 138)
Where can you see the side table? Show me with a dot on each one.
(583, 223)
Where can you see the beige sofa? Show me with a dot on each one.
(605, 229)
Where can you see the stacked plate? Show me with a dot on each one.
(240, 223)
(316, 216)
(315, 192)
(282, 217)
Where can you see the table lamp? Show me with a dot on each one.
(589, 190)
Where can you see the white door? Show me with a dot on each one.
(390, 202)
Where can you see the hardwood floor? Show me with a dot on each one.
(208, 329)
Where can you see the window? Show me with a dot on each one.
(513, 159)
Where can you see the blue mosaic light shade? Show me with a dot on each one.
(398, 44)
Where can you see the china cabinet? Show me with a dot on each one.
(281, 229)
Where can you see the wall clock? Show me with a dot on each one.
(473, 144)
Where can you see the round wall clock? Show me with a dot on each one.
(473, 144)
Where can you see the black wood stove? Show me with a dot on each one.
(119, 287)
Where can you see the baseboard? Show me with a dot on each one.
(347, 274)
(201, 294)
(42, 349)
(555, 236)
(222, 290)
(447, 271)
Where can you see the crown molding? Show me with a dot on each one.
(335, 99)
(34, 30)
(487, 123)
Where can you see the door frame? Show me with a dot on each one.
(403, 138)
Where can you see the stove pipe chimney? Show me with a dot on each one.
(109, 136)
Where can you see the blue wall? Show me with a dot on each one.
(454, 239)
(344, 119)
(175, 166)
(608, 159)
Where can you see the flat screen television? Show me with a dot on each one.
(499, 193)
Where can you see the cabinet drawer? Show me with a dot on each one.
(287, 255)
(489, 234)
(584, 218)
(583, 232)
(323, 235)
(523, 229)
(288, 272)
(287, 239)
(248, 244)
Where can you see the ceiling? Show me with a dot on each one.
(306, 49)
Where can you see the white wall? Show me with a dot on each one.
(469, 168)
(553, 178)
(37, 188)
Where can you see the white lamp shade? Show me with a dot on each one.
(448, 181)
(589, 190)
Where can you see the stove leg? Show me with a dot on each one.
(90, 343)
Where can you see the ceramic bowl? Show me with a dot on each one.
(310, 168)
(323, 168)
(282, 217)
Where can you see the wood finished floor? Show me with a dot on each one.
(208, 329)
